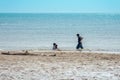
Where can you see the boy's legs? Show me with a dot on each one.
(80, 45)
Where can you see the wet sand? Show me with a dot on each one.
(59, 65)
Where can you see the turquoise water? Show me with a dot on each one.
(39, 31)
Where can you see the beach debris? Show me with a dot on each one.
(15, 52)
(6, 52)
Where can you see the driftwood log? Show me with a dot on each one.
(15, 52)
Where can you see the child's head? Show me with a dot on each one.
(54, 43)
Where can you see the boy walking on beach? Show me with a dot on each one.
(79, 45)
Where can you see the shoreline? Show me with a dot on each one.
(48, 50)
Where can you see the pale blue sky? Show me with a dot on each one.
(60, 6)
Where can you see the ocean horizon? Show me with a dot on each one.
(101, 32)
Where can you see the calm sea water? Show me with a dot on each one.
(39, 31)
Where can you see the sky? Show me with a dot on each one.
(59, 6)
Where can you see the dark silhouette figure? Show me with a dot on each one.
(55, 46)
(79, 45)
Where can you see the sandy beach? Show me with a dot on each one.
(59, 65)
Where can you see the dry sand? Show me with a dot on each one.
(59, 65)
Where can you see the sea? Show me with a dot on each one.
(100, 31)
